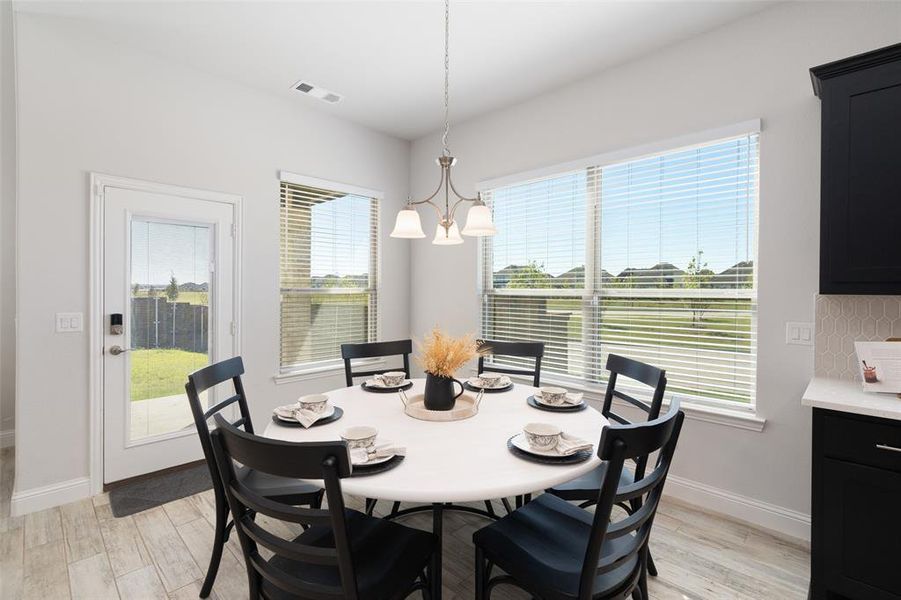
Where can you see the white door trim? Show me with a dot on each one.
(98, 184)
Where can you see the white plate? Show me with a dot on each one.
(329, 411)
(374, 461)
(374, 383)
(541, 401)
(504, 382)
(522, 443)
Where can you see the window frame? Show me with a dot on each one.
(326, 368)
(730, 412)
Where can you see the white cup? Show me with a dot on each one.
(542, 436)
(553, 395)
(489, 380)
(359, 436)
(392, 378)
(314, 402)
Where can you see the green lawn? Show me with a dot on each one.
(162, 372)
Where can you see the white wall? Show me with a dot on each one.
(755, 67)
(87, 105)
(7, 226)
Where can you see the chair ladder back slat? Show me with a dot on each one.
(632, 522)
(279, 510)
(287, 549)
(633, 401)
(221, 405)
(629, 550)
(292, 585)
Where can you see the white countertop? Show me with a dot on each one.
(848, 396)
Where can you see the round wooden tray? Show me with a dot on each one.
(465, 407)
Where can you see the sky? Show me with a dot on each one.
(658, 209)
(341, 236)
(160, 250)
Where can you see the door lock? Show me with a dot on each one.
(117, 350)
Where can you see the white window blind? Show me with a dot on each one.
(650, 258)
(328, 267)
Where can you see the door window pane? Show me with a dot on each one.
(170, 322)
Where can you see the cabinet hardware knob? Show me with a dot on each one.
(889, 448)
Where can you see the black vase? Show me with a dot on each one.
(439, 392)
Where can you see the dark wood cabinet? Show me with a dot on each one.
(856, 507)
(860, 195)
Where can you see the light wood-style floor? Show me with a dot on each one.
(81, 551)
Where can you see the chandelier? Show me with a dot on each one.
(478, 219)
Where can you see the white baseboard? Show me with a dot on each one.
(778, 519)
(7, 438)
(35, 499)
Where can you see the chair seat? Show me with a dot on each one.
(542, 545)
(588, 486)
(387, 557)
(284, 489)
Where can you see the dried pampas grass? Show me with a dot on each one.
(442, 355)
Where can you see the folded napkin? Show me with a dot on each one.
(302, 416)
(569, 445)
(574, 398)
(361, 456)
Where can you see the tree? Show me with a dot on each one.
(172, 289)
(697, 276)
(135, 290)
(530, 276)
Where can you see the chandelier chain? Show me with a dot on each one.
(446, 76)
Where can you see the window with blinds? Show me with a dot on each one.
(328, 266)
(651, 258)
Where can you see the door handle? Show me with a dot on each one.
(117, 350)
(889, 448)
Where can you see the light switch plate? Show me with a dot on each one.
(69, 322)
(799, 333)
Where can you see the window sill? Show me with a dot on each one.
(320, 372)
(740, 418)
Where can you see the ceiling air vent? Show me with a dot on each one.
(305, 87)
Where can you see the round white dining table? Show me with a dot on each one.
(453, 461)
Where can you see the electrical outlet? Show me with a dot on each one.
(69, 322)
(798, 333)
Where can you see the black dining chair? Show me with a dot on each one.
(403, 348)
(282, 489)
(585, 489)
(342, 553)
(555, 550)
(533, 350)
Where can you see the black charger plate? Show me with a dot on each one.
(572, 459)
(330, 419)
(386, 390)
(363, 470)
(534, 403)
(473, 388)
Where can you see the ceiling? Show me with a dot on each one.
(386, 58)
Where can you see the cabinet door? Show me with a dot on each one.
(861, 196)
(861, 530)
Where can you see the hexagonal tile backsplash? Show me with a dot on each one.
(843, 320)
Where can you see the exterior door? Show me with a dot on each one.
(169, 280)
